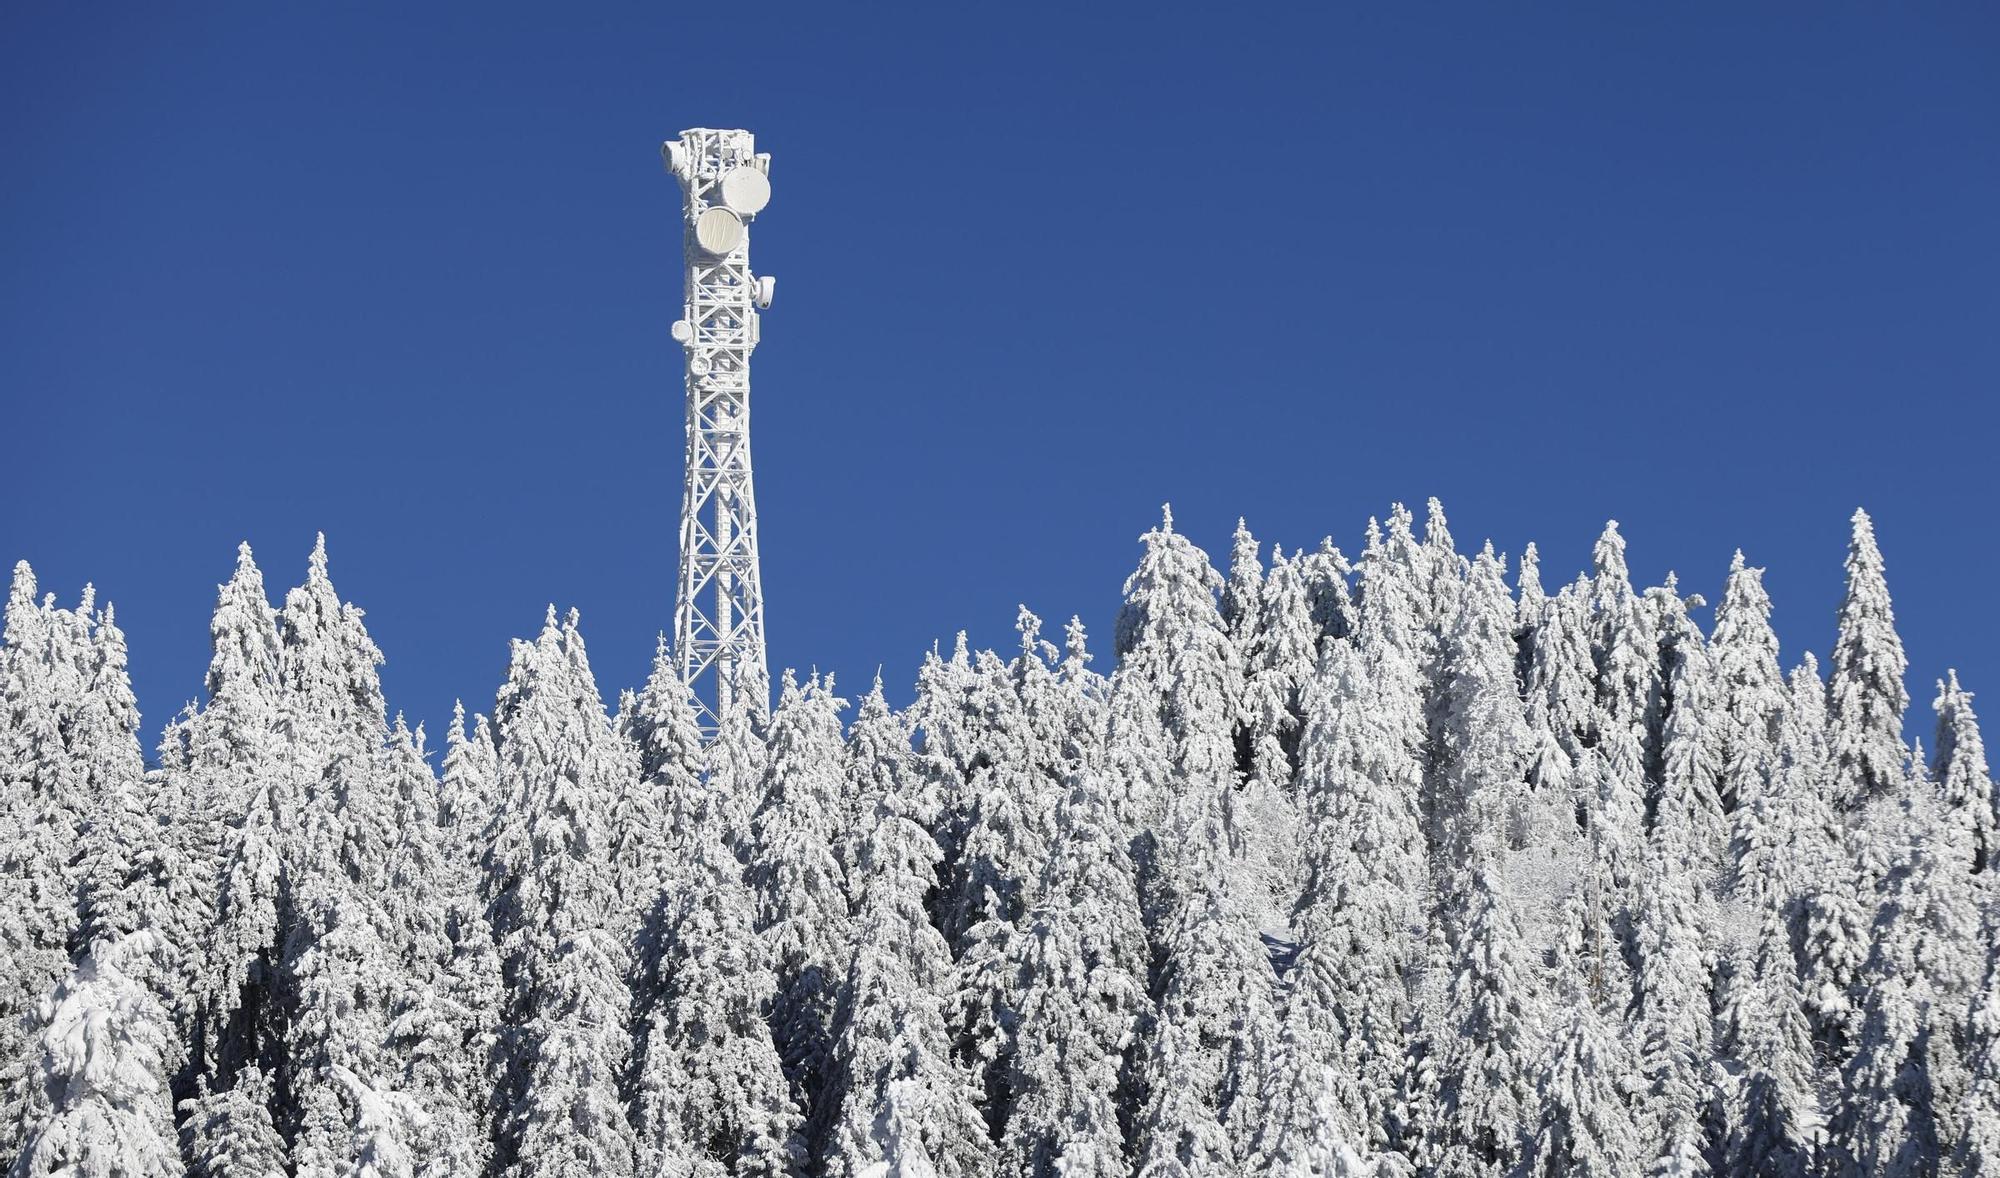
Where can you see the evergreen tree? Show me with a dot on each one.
(1082, 957)
(1962, 774)
(903, 1101)
(228, 1134)
(1482, 1118)
(44, 659)
(712, 1098)
(1360, 926)
(1906, 1076)
(106, 1050)
(549, 889)
(1866, 698)
(1979, 1150)
(1750, 689)
(800, 888)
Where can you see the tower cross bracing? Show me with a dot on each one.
(719, 606)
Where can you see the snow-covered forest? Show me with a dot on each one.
(1406, 863)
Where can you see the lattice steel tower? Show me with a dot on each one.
(719, 611)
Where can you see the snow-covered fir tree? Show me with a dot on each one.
(551, 901)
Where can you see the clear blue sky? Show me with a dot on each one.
(405, 274)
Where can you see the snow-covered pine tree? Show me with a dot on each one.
(799, 885)
(549, 890)
(132, 869)
(443, 1022)
(1481, 735)
(1082, 958)
(1529, 600)
(711, 1098)
(1277, 668)
(1624, 647)
(44, 660)
(1963, 777)
(1978, 1153)
(1588, 1127)
(1480, 1118)
(898, 1098)
(1905, 1077)
(1178, 671)
(1242, 602)
(1750, 687)
(228, 1134)
(344, 952)
(1774, 1125)
(106, 1053)
(1214, 1031)
(1323, 574)
(1676, 921)
(1866, 698)
(1338, 1085)
(1444, 572)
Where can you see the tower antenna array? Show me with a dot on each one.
(719, 610)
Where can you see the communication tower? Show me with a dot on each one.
(719, 609)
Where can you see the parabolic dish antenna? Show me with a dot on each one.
(718, 231)
(746, 191)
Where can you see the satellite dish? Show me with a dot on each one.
(718, 231)
(682, 330)
(745, 191)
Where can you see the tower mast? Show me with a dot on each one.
(719, 609)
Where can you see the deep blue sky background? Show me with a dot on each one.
(405, 275)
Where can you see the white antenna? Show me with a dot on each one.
(719, 612)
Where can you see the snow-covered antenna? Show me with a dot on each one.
(719, 611)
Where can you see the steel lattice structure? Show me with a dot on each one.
(719, 609)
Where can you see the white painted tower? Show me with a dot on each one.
(719, 610)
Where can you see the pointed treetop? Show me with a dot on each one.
(1437, 533)
(87, 604)
(1167, 518)
(316, 564)
(1608, 555)
(549, 625)
(1736, 563)
(1029, 627)
(23, 590)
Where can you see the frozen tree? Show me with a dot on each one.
(1082, 956)
(1482, 1115)
(1586, 1128)
(106, 1048)
(1323, 573)
(1905, 1077)
(1482, 740)
(1242, 604)
(1529, 601)
(1962, 774)
(549, 886)
(711, 1097)
(1979, 1150)
(1176, 664)
(1277, 669)
(1214, 1026)
(1444, 571)
(1624, 641)
(1774, 1122)
(1866, 698)
(43, 665)
(1750, 689)
(228, 1134)
(443, 1021)
(903, 1100)
(1360, 928)
(797, 880)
